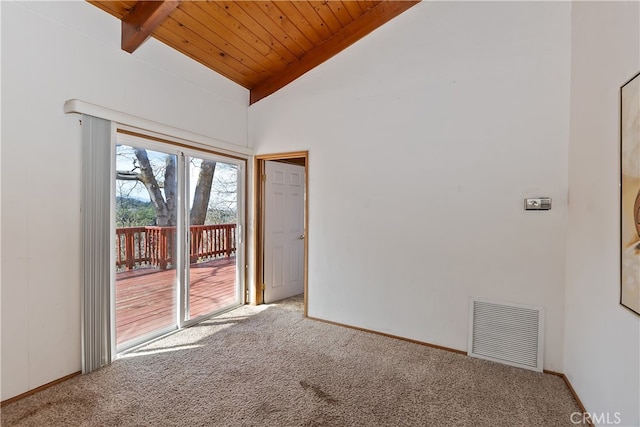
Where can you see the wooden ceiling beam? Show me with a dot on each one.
(143, 19)
(369, 21)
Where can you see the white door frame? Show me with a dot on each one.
(298, 157)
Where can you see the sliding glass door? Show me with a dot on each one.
(177, 237)
(145, 224)
(213, 235)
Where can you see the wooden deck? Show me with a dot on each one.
(145, 298)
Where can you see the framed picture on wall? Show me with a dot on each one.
(630, 194)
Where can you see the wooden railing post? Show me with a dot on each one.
(128, 244)
(196, 239)
(227, 240)
(118, 249)
(162, 255)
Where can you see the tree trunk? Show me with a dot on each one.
(166, 205)
(202, 194)
(151, 184)
(170, 189)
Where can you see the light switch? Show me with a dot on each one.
(537, 204)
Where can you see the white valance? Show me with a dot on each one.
(130, 122)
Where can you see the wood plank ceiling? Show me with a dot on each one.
(261, 45)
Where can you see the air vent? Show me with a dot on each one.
(507, 333)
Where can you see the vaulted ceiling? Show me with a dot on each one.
(261, 45)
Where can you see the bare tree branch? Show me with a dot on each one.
(128, 176)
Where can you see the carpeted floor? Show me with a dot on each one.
(268, 366)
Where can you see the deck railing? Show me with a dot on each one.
(153, 247)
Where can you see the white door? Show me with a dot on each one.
(283, 231)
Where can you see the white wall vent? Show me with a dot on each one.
(507, 333)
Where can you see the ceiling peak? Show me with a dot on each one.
(260, 45)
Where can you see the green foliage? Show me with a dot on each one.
(132, 212)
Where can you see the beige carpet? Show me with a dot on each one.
(267, 366)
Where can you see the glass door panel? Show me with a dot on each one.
(146, 244)
(212, 228)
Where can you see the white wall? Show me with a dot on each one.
(424, 138)
(602, 356)
(51, 52)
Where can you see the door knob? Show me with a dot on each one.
(301, 237)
